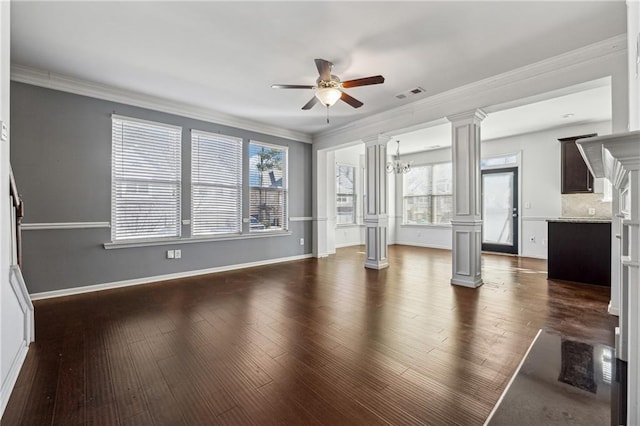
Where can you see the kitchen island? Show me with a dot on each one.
(580, 250)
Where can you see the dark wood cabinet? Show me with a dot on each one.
(579, 251)
(576, 177)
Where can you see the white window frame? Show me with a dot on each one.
(432, 197)
(120, 180)
(202, 177)
(284, 189)
(354, 194)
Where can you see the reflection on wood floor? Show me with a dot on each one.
(317, 341)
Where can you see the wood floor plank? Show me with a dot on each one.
(70, 393)
(193, 409)
(161, 404)
(99, 397)
(42, 395)
(128, 391)
(316, 341)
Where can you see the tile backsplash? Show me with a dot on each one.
(578, 205)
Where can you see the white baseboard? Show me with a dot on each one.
(156, 278)
(12, 376)
(348, 245)
(22, 298)
(533, 256)
(426, 245)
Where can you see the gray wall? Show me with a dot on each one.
(61, 157)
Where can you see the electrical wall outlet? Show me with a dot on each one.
(301, 241)
(178, 254)
(592, 211)
(171, 254)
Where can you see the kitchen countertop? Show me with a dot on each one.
(581, 220)
(561, 381)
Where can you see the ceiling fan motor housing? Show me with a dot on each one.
(333, 83)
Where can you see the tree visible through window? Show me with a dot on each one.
(268, 187)
(345, 195)
(427, 195)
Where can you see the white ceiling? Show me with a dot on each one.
(588, 102)
(224, 56)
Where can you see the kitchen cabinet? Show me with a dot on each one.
(580, 250)
(576, 177)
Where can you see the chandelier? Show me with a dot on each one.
(397, 166)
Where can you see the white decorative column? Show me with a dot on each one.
(467, 217)
(617, 157)
(376, 218)
(319, 203)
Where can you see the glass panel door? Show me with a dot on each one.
(500, 210)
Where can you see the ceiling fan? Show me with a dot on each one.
(329, 87)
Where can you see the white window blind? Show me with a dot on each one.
(216, 184)
(145, 179)
(268, 187)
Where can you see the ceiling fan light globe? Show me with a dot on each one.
(328, 95)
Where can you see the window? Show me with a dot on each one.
(145, 179)
(268, 187)
(493, 162)
(345, 195)
(427, 195)
(216, 184)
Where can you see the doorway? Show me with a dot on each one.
(500, 210)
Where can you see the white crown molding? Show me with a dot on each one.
(497, 89)
(64, 83)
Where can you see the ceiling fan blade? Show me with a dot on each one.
(311, 103)
(292, 86)
(350, 100)
(376, 79)
(324, 69)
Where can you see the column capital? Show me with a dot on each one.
(379, 139)
(475, 116)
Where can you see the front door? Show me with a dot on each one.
(500, 210)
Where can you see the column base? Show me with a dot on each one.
(467, 245)
(613, 310)
(467, 283)
(373, 264)
(376, 241)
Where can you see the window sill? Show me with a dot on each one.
(191, 240)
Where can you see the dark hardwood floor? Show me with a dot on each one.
(318, 341)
